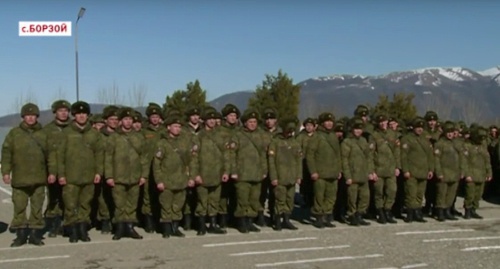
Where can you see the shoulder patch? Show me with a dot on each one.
(466, 153)
(271, 152)
(194, 148)
(436, 151)
(372, 146)
(405, 146)
(159, 154)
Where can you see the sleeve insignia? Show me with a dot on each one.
(436, 151)
(159, 154)
(372, 146)
(194, 148)
(466, 153)
(271, 152)
(405, 146)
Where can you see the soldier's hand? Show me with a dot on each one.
(468, 179)
(97, 179)
(6, 179)
(160, 186)
(110, 182)
(274, 182)
(314, 176)
(62, 181)
(407, 175)
(191, 183)
(299, 181)
(397, 172)
(225, 178)
(234, 176)
(430, 175)
(142, 181)
(51, 179)
(348, 182)
(198, 180)
(340, 176)
(488, 178)
(264, 176)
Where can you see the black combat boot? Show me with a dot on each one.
(328, 221)
(288, 225)
(260, 221)
(106, 227)
(175, 230)
(187, 222)
(361, 221)
(474, 214)
(149, 226)
(21, 237)
(319, 223)
(251, 227)
(83, 230)
(36, 237)
(54, 225)
(440, 215)
(389, 217)
(448, 215)
(381, 216)
(353, 220)
(213, 228)
(455, 212)
(223, 221)
(166, 229)
(119, 231)
(419, 216)
(202, 228)
(242, 225)
(410, 213)
(468, 213)
(277, 223)
(131, 232)
(73, 233)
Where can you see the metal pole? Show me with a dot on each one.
(76, 62)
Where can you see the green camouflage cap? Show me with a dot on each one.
(30, 109)
(60, 104)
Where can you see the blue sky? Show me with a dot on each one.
(230, 45)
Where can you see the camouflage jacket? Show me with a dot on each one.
(478, 165)
(416, 155)
(357, 159)
(285, 160)
(449, 160)
(250, 162)
(323, 154)
(213, 156)
(386, 153)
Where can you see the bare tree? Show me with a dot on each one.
(137, 95)
(110, 96)
(439, 104)
(60, 94)
(22, 99)
(472, 111)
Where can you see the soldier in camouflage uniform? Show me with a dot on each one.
(386, 154)
(97, 121)
(340, 207)
(432, 132)
(152, 131)
(477, 172)
(306, 185)
(214, 166)
(417, 165)
(324, 162)
(175, 166)
(492, 187)
(24, 167)
(285, 170)
(138, 119)
(358, 168)
(80, 161)
(126, 166)
(54, 210)
(362, 112)
(248, 169)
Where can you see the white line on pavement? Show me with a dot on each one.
(386, 268)
(481, 248)
(461, 239)
(418, 265)
(319, 260)
(259, 242)
(8, 192)
(436, 231)
(35, 259)
(286, 250)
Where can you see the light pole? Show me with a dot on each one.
(80, 15)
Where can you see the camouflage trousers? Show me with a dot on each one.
(414, 192)
(385, 192)
(172, 202)
(445, 193)
(125, 198)
(473, 194)
(54, 201)
(325, 195)
(358, 198)
(35, 195)
(284, 199)
(105, 201)
(247, 199)
(77, 203)
(208, 200)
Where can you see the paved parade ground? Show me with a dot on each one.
(457, 244)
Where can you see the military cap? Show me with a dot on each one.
(288, 124)
(308, 120)
(380, 117)
(126, 112)
(152, 109)
(465, 131)
(60, 104)
(361, 110)
(218, 115)
(209, 113)
(270, 113)
(418, 122)
(110, 111)
(96, 118)
(392, 118)
(479, 133)
(230, 108)
(431, 115)
(138, 116)
(449, 127)
(339, 126)
(172, 111)
(357, 123)
(80, 107)
(462, 124)
(172, 119)
(249, 114)
(193, 111)
(326, 116)
(30, 109)
(493, 127)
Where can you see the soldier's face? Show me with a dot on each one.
(383, 125)
(432, 123)
(62, 114)
(357, 132)
(232, 118)
(194, 119)
(30, 119)
(154, 119)
(418, 130)
(450, 135)
(210, 123)
(339, 134)
(112, 122)
(364, 118)
(270, 123)
(137, 125)
(98, 126)
(218, 122)
(81, 118)
(328, 124)
(494, 132)
(393, 125)
(251, 124)
(174, 129)
(127, 122)
(310, 127)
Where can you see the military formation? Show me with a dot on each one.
(207, 170)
